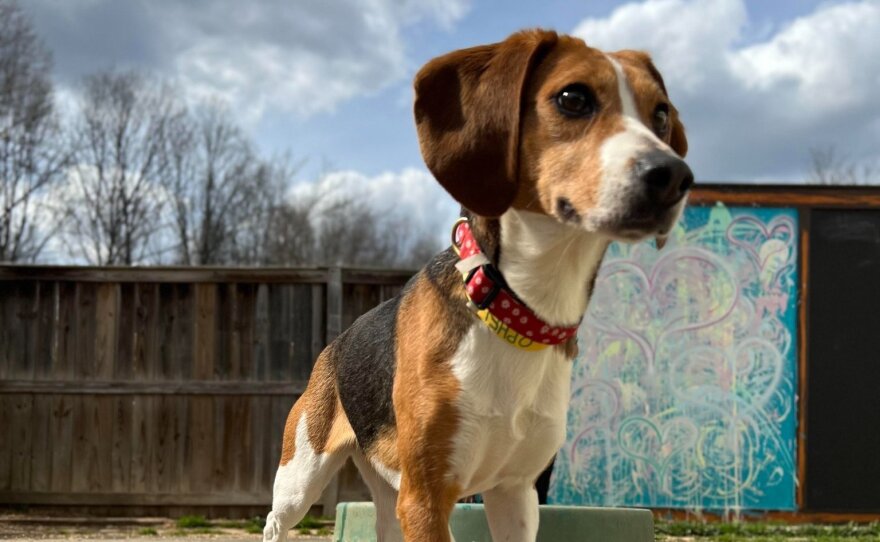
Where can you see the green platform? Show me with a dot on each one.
(355, 522)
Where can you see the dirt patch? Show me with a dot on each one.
(25, 528)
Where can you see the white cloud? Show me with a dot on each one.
(756, 109)
(410, 198)
(302, 57)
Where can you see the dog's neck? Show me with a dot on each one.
(549, 265)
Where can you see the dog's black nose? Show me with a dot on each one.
(667, 177)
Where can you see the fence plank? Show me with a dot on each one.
(61, 434)
(205, 326)
(44, 358)
(199, 463)
(121, 444)
(146, 359)
(245, 301)
(65, 331)
(334, 304)
(124, 366)
(126, 387)
(6, 329)
(168, 444)
(192, 387)
(40, 455)
(21, 435)
(106, 325)
(84, 333)
(260, 370)
(6, 414)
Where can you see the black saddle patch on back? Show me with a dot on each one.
(365, 363)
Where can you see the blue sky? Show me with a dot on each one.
(375, 133)
(759, 83)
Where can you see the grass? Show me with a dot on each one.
(187, 525)
(194, 530)
(766, 532)
(148, 531)
(255, 525)
(192, 522)
(310, 522)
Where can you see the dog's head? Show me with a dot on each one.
(545, 123)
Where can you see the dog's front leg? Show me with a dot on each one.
(512, 513)
(424, 513)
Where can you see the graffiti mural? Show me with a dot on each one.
(684, 391)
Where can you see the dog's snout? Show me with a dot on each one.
(668, 177)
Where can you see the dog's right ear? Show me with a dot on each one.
(468, 107)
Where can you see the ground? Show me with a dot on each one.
(195, 529)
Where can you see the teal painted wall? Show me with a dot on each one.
(683, 394)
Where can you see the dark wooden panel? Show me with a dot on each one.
(225, 333)
(168, 429)
(359, 298)
(94, 498)
(121, 444)
(84, 331)
(45, 337)
(246, 295)
(199, 459)
(124, 366)
(21, 435)
(786, 195)
(301, 332)
(65, 331)
(146, 359)
(106, 328)
(6, 413)
(21, 316)
(176, 331)
(165, 275)
(7, 327)
(204, 331)
(61, 435)
(151, 389)
(193, 387)
(41, 446)
(843, 426)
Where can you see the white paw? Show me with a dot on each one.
(273, 532)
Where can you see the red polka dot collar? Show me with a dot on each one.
(495, 304)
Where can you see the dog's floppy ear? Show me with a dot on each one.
(467, 108)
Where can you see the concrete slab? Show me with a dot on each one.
(355, 522)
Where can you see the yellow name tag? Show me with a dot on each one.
(504, 332)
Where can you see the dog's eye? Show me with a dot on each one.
(576, 101)
(661, 120)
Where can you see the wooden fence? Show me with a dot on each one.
(158, 390)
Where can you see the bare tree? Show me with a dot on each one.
(212, 174)
(115, 200)
(259, 214)
(829, 168)
(329, 226)
(30, 157)
(290, 238)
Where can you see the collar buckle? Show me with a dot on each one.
(456, 240)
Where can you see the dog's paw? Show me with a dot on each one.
(273, 531)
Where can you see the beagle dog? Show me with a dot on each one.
(460, 384)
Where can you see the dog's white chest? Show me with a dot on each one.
(513, 409)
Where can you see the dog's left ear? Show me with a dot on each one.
(678, 140)
(468, 107)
